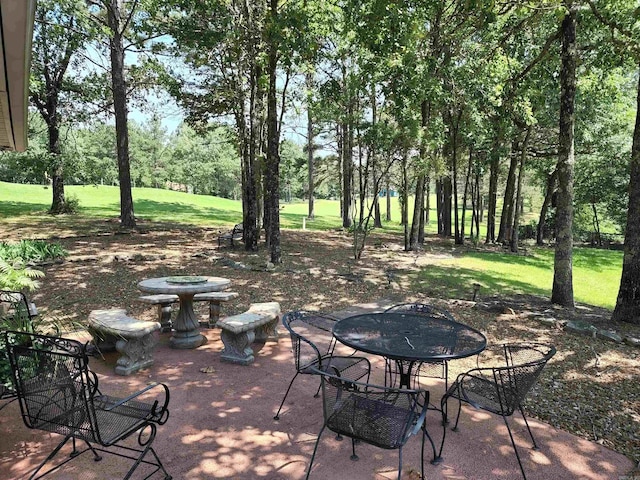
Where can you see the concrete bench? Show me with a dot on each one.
(215, 300)
(260, 323)
(164, 302)
(236, 234)
(133, 339)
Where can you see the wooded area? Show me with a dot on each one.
(475, 97)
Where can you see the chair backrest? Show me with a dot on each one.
(421, 308)
(54, 385)
(382, 416)
(311, 336)
(525, 362)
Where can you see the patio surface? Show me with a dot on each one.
(221, 426)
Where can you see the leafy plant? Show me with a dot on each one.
(30, 251)
(15, 275)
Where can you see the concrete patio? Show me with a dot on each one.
(221, 426)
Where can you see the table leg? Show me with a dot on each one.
(186, 333)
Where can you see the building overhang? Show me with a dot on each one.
(16, 32)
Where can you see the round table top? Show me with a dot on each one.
(407, 336)
(162, 285)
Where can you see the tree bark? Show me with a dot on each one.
(272, 173)
(119, 87)
(628, 301)
(548, 196)
(494, 166)
(310, 148)
(506, 218)
(513, 241)
(562, 292)
(58, 203)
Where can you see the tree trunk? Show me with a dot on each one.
(417, 212)
(562, 293)
(506, 218)
(494, 166)
(404, 199)
(119, 87)
(310, 148)
(250, 219)
(465, 195)
(548, 196)
(272, 171)
(446, 204)
(388, 187)
(628, 302)
(58, 204)
(518, 202)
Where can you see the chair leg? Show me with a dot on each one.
(515, 449)
(354, 457)
(455, 427)
(50, 457)
(535, 445)
(315, 449)
(400, 463)
(422, 459)
(277, 416)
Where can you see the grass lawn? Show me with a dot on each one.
(596, 272)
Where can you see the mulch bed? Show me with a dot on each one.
(591, 388)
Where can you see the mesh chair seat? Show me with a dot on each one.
(478, 392)
(59, 394)
(348, 366)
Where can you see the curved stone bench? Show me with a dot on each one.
(260, 323)
(133, 339)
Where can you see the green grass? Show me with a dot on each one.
(596, 275)
(596, 272)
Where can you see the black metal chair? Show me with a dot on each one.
(385, 417)
(437, 369)
(58, 393)
(313, 344)
(502, 390)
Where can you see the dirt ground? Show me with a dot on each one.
(591, 388)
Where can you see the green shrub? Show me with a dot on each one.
(30, 251)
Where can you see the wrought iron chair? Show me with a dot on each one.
(502, 390)
(437, 369)
(385, 417)
(313, 345)
(58, 393)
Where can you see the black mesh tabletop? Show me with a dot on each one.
(406, 336)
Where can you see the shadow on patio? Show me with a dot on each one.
(221, 426)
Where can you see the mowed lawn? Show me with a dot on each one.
(596, 273)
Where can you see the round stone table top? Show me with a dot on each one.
(165, 285)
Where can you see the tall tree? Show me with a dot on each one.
(60, 32)
(562, 290)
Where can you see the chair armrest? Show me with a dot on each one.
(160, 415)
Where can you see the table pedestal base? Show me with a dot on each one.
(186, 333)
(180, 340)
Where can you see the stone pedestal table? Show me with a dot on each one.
(186, 333)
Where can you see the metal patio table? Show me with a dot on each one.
(409, 339)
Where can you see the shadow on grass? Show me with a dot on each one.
(456, 282)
